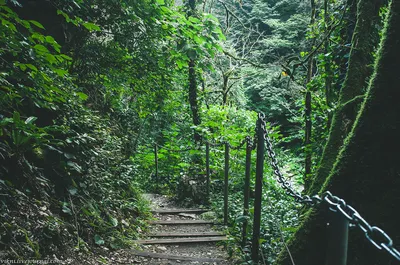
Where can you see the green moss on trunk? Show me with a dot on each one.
(364, 42)
(367, 171)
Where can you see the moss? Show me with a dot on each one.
(367, 171)
(364, 42)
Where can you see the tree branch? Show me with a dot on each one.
(244, 60)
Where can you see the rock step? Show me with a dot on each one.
(181, 240)
(199, 234)
(176, 211)
(180, 222)
(174, 257)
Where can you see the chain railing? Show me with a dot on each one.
(174, 150)
(334, 203)
(342, 214)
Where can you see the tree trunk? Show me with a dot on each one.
(193, 99)
(194, 106)
(328, 70)
(365, 39)
(308, 105)
(346, 34)
(225, 88)
(366, 174)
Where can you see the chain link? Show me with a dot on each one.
(374, 234)
(173, 150)
(239, 146)
(251, 142)
(214, 144)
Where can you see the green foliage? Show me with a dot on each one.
(87, 90)
(63, 166)
(74, 109)
(280, 214)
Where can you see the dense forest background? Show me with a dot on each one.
(88, 88)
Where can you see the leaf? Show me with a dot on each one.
(72, 190)
(210, 67)
(66, 209)
(69, 156)
(66, 57)
(165, 9)
(180, 63)
(6, 121)
(22, 66)
(50, 39)
(16, 116)
(74, 166)
(194, 20)
(114, 221)
(199, 40)
(242, 218)
(37, 24)
(98, 240)
(91, 26)
(16, 3)
(32, 67)
(61, 72)
(82, 96)
(51, 58)
(30, 120)
(40, 48)
(219, 48)
(52, 148)
(160, 2)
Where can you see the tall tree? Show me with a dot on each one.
(193, 98)
(364, 41)
(366, 171)
(328, 70)
(308, 103)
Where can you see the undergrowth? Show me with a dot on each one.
(86, 194)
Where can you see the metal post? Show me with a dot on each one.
(156, 165)
(338, 233)
(258, 193)
(246, 191)
(208, 170)
(226, 183)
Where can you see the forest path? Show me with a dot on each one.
(168, 243)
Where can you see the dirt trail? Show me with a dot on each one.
(205, 251)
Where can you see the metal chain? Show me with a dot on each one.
(251, 142)
(214, 144)
(173, 150)
(239, 146)
(374, 234)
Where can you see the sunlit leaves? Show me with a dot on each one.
(82, 96)
(37, 24)
(91, 26)
(30, 120)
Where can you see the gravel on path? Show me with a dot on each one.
(198, 250)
